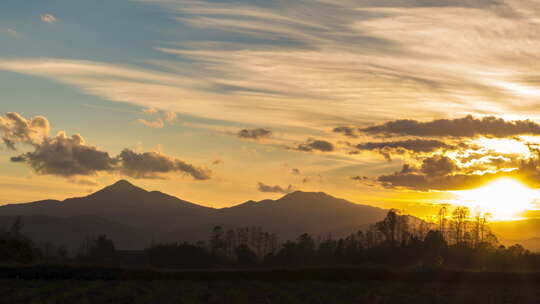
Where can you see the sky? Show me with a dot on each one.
(391, 103)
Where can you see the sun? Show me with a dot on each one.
(504, 199)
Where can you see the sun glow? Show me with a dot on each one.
(504, 145)
(504, 198)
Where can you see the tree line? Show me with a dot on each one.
(454, 240)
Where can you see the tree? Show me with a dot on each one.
(15, 247)
(460, 216)
(392, 226)
(17, 226)
(245, 256)
(217, 242)
(434, 247)
(442, 220)
(99, 249)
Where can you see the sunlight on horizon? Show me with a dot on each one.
(504, 199)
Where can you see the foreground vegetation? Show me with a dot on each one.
(453, 241)
(455, 260)
(267, 292)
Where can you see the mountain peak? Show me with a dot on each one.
(123, 183)
(122, 186)
(305, 195)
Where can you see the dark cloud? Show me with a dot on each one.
(401, 147)
(315, 145)
(359, 178)
(443, 173)
(438, 165)
(66, 156)
(423, 182)
(218, 161)
(71, 156)
(295, 171)
(347, 131)
(16, 129)
(275, 189)
(254, 133)
(152, 164)
(415, 145)
(436, 172)
(462, 127)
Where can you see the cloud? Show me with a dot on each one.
(170, 117)
(71, 156)
(12, 33)
(438, 165)
(154, 164)
(274, 189)
(317, 63)
(259, 133)
(401, 147)
(218, 161)
(443, 173)
(421, 182)
(315, 145)
(346, 131)
(66, 156)
(462, 127)
(156, 124)
(48, 18)
(15, 129)
(295, 171)
(150, 110)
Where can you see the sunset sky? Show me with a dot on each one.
(392, 103)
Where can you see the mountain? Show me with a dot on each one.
(124, 203)
(525, 232)
(135, 217)
(71, 231)
(314, 212)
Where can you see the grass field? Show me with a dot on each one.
(164, 291)
(69, 284)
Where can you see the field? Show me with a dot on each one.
(73, 291)
(99, 285)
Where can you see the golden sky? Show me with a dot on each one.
(393, 103)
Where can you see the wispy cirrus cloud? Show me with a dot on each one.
(320, 63)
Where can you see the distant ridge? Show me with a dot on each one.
(138, 217)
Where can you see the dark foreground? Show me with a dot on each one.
(60, 284)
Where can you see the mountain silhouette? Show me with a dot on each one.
(297, 212)
(136, 217)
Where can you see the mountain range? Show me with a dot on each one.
(134, 217)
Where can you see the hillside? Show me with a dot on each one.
(137, 217)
